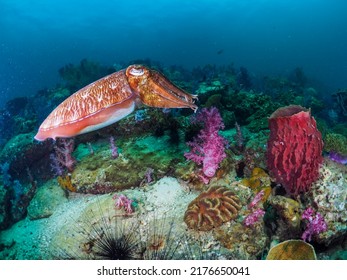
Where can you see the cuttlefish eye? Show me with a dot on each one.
(136, 71)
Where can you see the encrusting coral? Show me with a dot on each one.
(259, 181)
(212, 208)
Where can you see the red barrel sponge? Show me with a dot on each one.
(294, 149)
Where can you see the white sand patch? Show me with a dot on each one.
(30, 239)
(34, 239)
(169, 197)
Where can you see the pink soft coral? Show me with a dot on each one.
(123, 202)
(258, 197)
(257, 213)
(315, 225)
(208, 148)
(63, 155)
(254, 217)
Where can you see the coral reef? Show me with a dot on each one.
(250, 108)
(128, 191)
(294, 148)
(17, 117)
(100, 173)
(23, 153)
(212, 208)
(256, 200)
(215, 87)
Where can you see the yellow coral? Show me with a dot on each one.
(259, 178)
(66, 183)
(258, 181)
(292, 250)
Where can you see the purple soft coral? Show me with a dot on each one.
(63, 156)
(113, 148)
(338, 157)
(316, 224)
(208, 147)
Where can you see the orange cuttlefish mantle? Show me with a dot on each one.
(110, 99)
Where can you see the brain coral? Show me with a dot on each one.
(212, 208)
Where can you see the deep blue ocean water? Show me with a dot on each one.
(269, 37)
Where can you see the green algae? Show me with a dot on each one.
(99, 172)
(336, 143)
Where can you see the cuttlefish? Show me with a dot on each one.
(110, 99)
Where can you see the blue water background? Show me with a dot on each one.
(268, 37)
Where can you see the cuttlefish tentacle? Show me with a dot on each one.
(110, 99)
(155, 90)
(168, 86)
